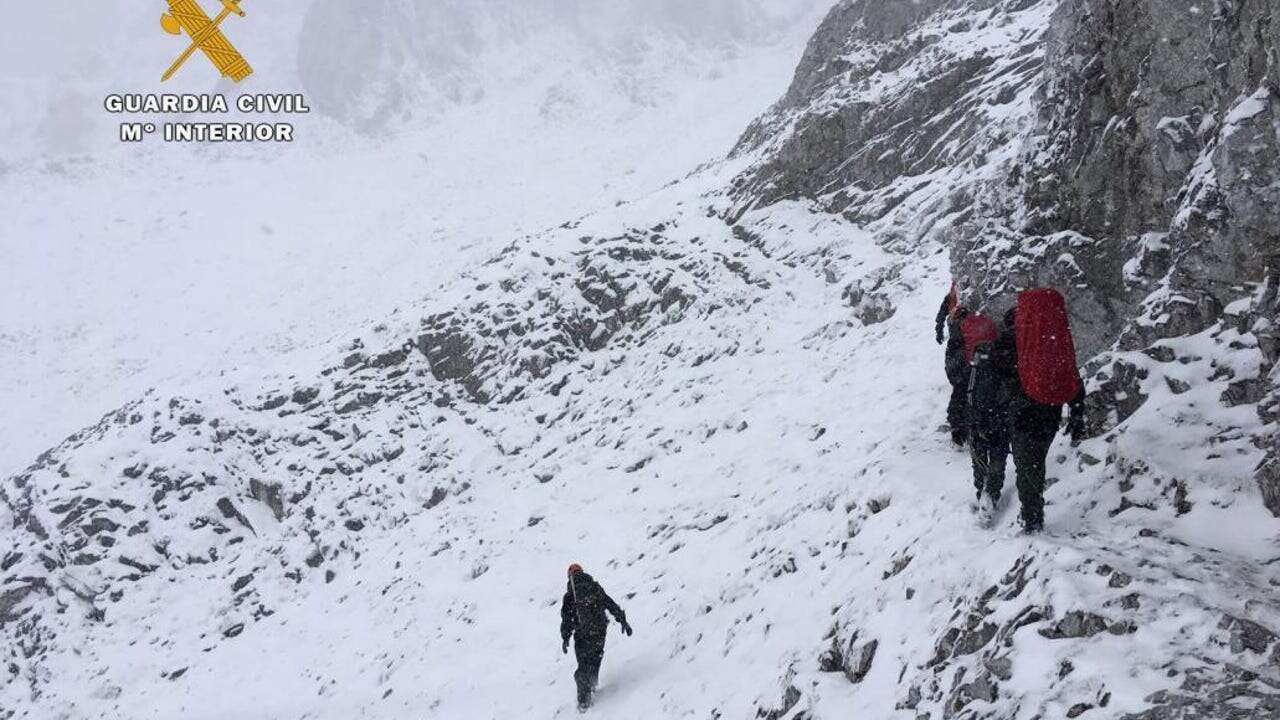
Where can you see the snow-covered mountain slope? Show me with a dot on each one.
(129, 267)
(689, 409)
(724, 405)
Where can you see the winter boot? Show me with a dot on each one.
(986, 510)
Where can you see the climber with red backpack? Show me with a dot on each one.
(988, 417)
(1037, 357)
(950, 316)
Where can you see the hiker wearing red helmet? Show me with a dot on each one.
(582, 618)
(1036, 354)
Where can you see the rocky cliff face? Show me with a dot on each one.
(1158, 144)
(1124, 151)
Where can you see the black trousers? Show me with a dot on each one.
(1030, 453)
(590, 652)
(957, 408)
(989, 451)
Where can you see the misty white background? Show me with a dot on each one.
(441, 129)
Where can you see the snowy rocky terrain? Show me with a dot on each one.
(722, 400)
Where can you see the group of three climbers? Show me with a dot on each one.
(1009, 383)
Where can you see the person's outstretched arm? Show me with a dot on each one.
(616, 611)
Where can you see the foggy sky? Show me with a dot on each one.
(375, 57)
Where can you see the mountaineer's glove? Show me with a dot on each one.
(939, 337)
(626, 629)
(566, 646)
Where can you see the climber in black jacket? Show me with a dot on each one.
(988, 415)
(950, 315)
(582, 617)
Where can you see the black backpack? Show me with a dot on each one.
(987, 393)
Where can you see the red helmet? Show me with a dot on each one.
(574, 569)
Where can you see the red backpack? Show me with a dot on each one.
(977, 329)
(1046, 351)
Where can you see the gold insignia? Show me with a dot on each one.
(205, 36)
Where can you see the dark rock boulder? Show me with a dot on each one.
(1076, 624)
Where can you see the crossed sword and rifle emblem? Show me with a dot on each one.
(205, 36)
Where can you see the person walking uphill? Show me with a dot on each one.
(988, 416)
(1037, 356)
(950, 316)
(582, 618)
